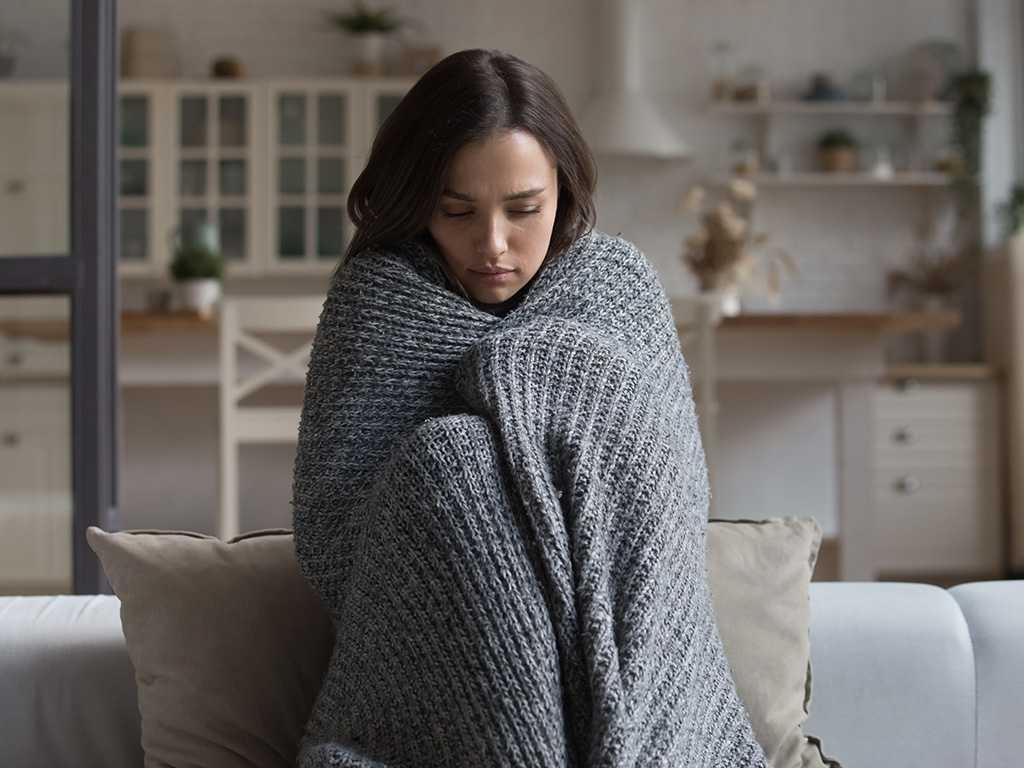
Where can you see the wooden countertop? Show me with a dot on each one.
(167, 322)
(885, 323)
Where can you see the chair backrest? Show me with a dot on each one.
(264, 342)
(696, 318)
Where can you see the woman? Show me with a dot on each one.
(500, 491)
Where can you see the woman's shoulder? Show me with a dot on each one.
(609, 255)
(387, 264)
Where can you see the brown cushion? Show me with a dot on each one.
(230, 644)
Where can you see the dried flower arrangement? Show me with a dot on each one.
(940, 264)
(934, 271)
(724, 250)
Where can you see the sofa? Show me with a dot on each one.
(903, 674)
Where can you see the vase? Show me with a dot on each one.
(369, 50)
(727, 296)
(199, 295)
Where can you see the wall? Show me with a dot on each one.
(844, 240)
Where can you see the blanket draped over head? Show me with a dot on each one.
(506, 519)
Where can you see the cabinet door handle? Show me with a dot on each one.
(16, 359)
(908, 484)
(910, 386)
(11, 439)
(907, 435)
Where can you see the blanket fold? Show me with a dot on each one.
(506, 518)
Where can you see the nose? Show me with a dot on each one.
(492, 239)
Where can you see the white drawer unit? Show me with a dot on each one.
(938, 494)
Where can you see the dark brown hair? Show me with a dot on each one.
(469, 96)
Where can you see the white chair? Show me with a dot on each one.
(696, 318)
(256, 327)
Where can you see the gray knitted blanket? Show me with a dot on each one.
(506, 518)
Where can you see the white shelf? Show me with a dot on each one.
(870, 108)
(853, 179)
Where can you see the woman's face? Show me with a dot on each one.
(494, 222)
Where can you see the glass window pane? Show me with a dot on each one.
(193, 177)
(291, 232)
(291, 115)
(134, 234)
(330, 176)
(134, 121)
(385, 106)
(232, 233)
(34, 191)
(232, 121)
(291, 176)
(189, 218)
(329, 237)
(331, 120)
(35, 446)
(134, 178)
(193, 121)
(232, 177)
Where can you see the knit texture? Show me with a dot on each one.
(506, 519)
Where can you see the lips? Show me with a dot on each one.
(493, 274)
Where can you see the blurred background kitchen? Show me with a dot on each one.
(867, 151)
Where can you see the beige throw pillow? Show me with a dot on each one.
(228, 641)
(759, 572)
(230, 644)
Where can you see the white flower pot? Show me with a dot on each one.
(369, 50)
(199, 295)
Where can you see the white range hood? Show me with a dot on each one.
(621, 120)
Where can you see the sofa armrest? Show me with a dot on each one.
(995, 615)
(67, 686)
(893, 675)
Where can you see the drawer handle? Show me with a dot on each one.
(910, 386)
(907, 435)
(16, 359)
(11, 439)
(908, 484)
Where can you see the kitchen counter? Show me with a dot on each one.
(885, 323)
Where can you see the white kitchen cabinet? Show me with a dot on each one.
(34, 201)
(35, 461)
(271, 161)
(938, 493)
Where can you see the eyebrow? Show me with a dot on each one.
(516, 196)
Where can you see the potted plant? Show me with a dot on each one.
(197, 270)
(1012, 212)
(837, 151)
(368, 29)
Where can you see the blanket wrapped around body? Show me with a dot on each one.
(506, 519)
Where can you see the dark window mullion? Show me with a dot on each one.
(94, 313)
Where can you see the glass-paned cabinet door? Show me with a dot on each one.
(135, 195)
(313, 148)
(216, 130)
(143, 156)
